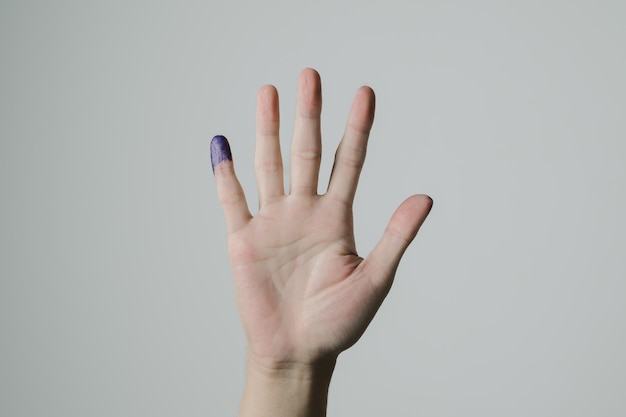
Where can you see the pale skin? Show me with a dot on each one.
(304, 294)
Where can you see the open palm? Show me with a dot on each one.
(303, 292)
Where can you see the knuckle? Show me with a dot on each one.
(351, 161)
(313, 155)
(269, 167)
(351, 156)
(362, 127)
(231, 198)
(398, 235)
(303, 189)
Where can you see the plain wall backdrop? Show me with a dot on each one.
(115, 291)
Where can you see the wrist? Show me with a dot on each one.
(286, 388)
(318, 370)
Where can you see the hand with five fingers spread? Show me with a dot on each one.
(304, 294)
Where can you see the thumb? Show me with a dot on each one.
(381, 264)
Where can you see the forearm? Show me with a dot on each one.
(285, 390)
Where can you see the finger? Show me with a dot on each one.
(268, 161)
(381, 264)
(229, 191)
(306, 147)
(350, 155)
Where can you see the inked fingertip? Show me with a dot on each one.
(220, 151)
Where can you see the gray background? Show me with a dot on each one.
(115, 291)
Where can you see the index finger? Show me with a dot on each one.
(350, 155)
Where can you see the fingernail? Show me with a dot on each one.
(220, 151)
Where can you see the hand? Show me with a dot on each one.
(304, 295)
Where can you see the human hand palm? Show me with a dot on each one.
(303, 292)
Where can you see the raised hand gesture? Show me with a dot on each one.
(303, 292)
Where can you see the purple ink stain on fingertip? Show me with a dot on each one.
(220, 151)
